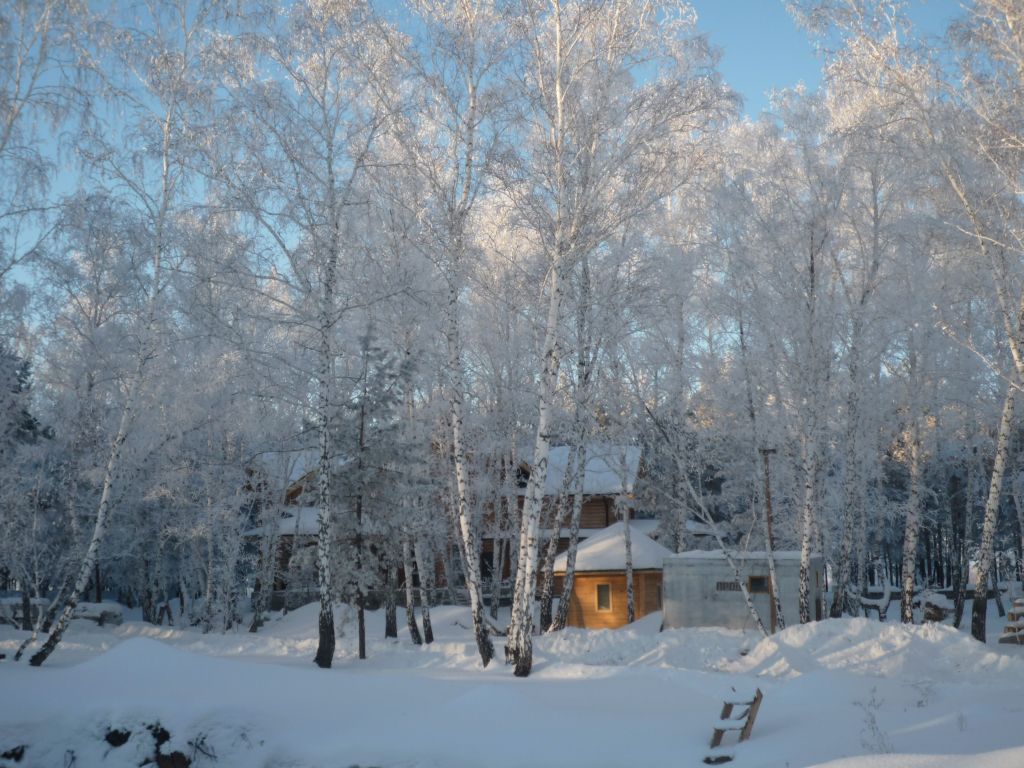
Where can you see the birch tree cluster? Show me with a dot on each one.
(304, 294)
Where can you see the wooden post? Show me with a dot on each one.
(770, 535)
(751, 716)
(778, 620)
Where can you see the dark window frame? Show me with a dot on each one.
(760, 580)
(597, 597)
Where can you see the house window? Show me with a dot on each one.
(604, 597)
(757, 585)
(486, 564)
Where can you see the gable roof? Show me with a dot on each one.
(608, 469)
(606, 551)
(285, 468)
(303, 521)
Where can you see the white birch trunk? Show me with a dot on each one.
(410, 598)
(390, 597)
(134, 384)
(623, 510)
(979, 607)
(425, 561)
(706, 518)
(562, 614)
(682, 513)
(960, 596)
(325, 622)
(1018, 505)
(551, 551)
(853, 483)
(211, 567)
(912, 527)
(468, 543)
(99, 529)
(769, 536)
(769, 543)
(498, 565)
(581, 396)
(503, 503)
(325, 371)
(519, 650)
(852, 491)
(810, 469)
(267, 565)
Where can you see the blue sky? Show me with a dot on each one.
(762, 48)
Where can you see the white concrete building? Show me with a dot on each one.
(699, 589)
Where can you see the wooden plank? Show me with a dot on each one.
(718, 733)
(751, 716)
(727, 721)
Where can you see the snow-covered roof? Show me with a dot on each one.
(699, 529)
(305, 516)
(288, 467)
(608, 469)
(645, 525)
(307, 519)
(606, 551)
(717, 554)
(303, 462)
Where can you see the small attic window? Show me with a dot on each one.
(604, 597)
(758, 585)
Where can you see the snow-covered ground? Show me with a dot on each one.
(849, 693)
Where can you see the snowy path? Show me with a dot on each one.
(834, 690)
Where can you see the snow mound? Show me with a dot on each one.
(875, 696)
(141, 652)
(865, 647)
(642, 645)
(1003, 758)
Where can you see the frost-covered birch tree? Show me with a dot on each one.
(876, 223)
(36, 96)
(617, 96)
(305, 105)
(970, 132)
(991, 59)
(149, 69)
(458, 66)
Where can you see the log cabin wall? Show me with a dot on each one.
(597, 512)
(583, 610)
